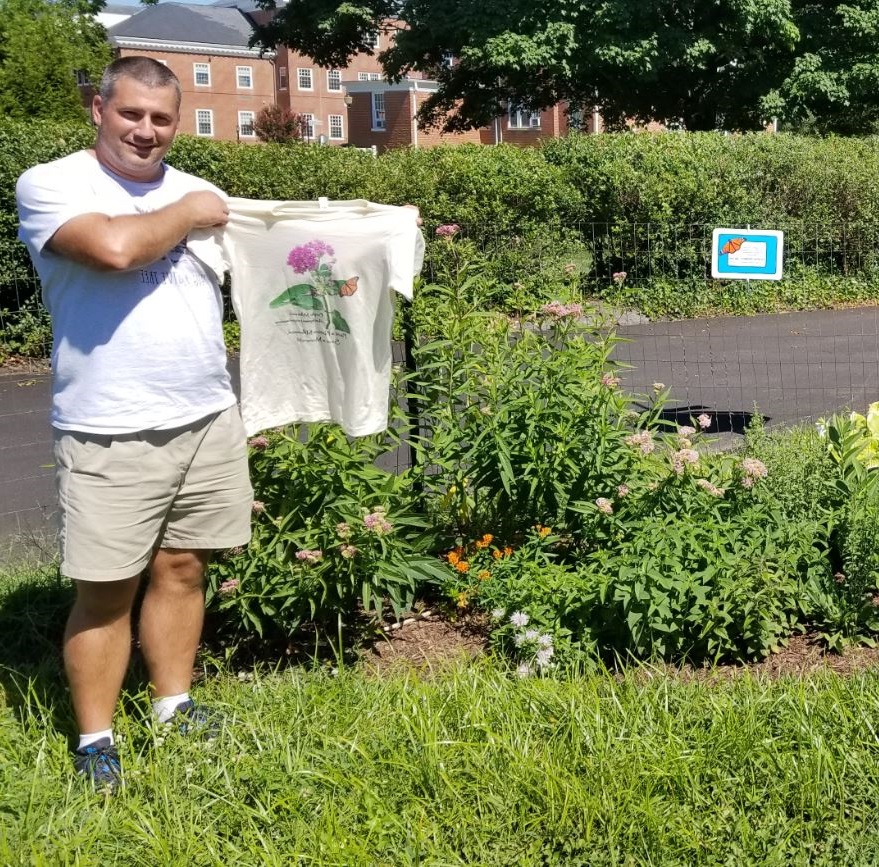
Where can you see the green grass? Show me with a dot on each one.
(472, 766)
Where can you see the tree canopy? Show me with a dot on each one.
(699, 63)
(43, 45)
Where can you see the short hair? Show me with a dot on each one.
(145, 70)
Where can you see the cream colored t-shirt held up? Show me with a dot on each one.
(313, 287)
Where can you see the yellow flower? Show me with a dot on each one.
(484, 575)
(497, 554)
(543, 532)
(463, 599)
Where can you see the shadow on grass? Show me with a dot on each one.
(33, 611)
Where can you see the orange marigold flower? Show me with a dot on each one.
(462, 566)
(487, 538)
(481, 543)
(497, 554)
(543, 532)
(508, 551)
(453, 557)
(484, 575)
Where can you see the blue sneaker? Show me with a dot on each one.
(99, 762)
(196, 719)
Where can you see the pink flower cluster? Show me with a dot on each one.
(310, 556)
(306, 257)
(618, 277)
(710, 487)
(704, 421)
(683, 458)
(622, 491)
(754, 470)
(259, 443)
(608, 380)
(349, 551)
(377, 523)
(343, 529)
(447, 230)
(604, 506)
(643, 440)
(258, 506)
(229, 586)
(562, 311)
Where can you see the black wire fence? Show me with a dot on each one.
(788, 367)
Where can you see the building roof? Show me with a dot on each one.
(184, 23)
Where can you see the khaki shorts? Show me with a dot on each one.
(124, 495)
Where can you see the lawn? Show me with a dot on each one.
(468, 765)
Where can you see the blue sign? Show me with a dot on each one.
(746, 254)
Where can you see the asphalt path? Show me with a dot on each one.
(791, 367)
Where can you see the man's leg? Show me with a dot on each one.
(97, 646)
(171, 618)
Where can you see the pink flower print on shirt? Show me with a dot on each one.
(315, 259)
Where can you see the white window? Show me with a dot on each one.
(204, 121)
(202, 74)
(524, 118)
(82, 78)
(371, 40)
(369, 76)
(336, 126)
(448, 60)
(308, 126)
(244, 76)
(334, 79)
(282, 78)
(305, 80)
(245, 124)
(378, 111)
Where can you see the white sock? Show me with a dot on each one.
(91, 737)
(164, 707)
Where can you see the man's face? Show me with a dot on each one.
(135, 128)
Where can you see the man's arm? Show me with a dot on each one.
(126, 242)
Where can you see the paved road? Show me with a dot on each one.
(791, 366)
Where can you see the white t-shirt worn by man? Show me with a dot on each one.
(313, 286)
(133, 350)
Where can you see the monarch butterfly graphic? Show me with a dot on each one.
(733, 245)
(349, 287)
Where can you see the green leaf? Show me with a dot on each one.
(302, 295)
(339, 322)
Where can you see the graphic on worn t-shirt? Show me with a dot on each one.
(315, 259)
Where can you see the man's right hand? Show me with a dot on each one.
(205, 209)
(132, 241)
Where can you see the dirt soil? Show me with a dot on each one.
(435, 643)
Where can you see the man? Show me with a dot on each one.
(151, 462)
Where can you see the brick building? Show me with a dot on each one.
(382, 115)
(226, 83)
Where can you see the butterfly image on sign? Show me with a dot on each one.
(733, 245)
(315, 259)
(746, 254)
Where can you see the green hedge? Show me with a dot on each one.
(643, 203)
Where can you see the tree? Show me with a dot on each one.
(43, 45)
(699, 63)
(275, 123)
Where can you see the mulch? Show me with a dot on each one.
(434, 644)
